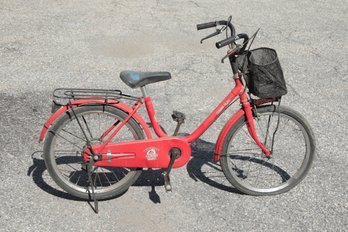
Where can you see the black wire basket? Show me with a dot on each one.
(263, 73)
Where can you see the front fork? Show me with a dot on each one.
(251, 125)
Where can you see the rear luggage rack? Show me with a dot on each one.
(62, 96)
(72, 93)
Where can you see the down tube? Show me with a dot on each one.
(216, 113)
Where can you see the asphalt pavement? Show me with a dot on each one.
(56, 43)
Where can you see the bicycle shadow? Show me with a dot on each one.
(200, 168)
(37, 169)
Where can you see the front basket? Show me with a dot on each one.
(264, 75)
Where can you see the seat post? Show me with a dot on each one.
(143, 91)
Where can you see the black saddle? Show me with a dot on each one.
(139, 79)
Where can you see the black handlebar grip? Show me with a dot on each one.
(225, 42)
(205, 25)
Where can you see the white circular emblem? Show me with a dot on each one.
(151, 153)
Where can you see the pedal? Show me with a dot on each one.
(180, 119)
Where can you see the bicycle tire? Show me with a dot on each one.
(64, 144)
(282, 171)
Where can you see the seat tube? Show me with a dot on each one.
(143, 91)
(152, 113)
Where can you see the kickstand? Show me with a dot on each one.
(91, 184)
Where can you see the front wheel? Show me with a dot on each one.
(65, 143)
(293, 143)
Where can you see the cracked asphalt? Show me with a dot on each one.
(56, 43)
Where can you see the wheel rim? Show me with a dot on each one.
(68, 143)
(290, 156)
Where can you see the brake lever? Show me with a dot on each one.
(231, 51)
(211, 35)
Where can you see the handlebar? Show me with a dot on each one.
(237, 49)
(228, 40)
(202, 26)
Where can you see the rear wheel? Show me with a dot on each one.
(250, 171)
(65, 142)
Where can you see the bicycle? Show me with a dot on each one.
(96, 145)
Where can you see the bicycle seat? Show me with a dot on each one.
(139, 79)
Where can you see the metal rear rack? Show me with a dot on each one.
(72, 93)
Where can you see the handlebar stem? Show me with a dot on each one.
(234, 65)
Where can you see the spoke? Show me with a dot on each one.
(107, 178)
(285, 123)
(68, 132)
(73, 174)
(66, 175)
(114, 175)
(246, 131)
(78, 180)
(74, 144)
(233, 164)
(259, 172)
(69, 165)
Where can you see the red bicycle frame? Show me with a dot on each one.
(154, 152)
